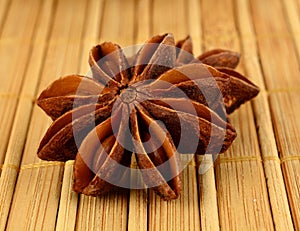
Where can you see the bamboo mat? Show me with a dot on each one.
(254, 186)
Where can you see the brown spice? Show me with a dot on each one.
(121, 107)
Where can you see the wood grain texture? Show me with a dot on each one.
(175, 215)
(242, 202)
(67, 211)
(4, 9)
(138, 203)
(287, 133)
(103, 213)
(14, 55)
(37, 192)
(117, 25)
(23, 112)
(276, 188)
(207, 193)
(283, 94)
(66, 218)
(253, 186)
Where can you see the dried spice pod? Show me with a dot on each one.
(157, 105)
(72, 91)
(59, 143)
(156, 56)
(207, 85)
(99, 155)
(240, 89)
(184, 51)
(200, 120)
(109, 65)
(165, 152)
(220, 58)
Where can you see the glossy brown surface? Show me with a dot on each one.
(122, 104)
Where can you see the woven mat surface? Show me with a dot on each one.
(253, 186)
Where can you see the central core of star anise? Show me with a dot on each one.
(128, 95)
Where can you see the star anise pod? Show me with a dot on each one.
(158, 104)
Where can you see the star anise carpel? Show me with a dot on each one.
(156, 104)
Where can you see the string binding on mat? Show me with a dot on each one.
(219, 160)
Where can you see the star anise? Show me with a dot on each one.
(156, 104)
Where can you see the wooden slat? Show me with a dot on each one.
(170, 17)
(138, 199)
(91, 30)
(241, 201)
(292, 177)
(183, 213)
(143, 21)
(276, 188)
(14, 53)
(138, 204)
(209, 218)
(117, 26)
(292, 9)
(110, 24)
(284, 68)
(194, 27)
(4, 9)
(36, 200)
(219, 28)
(22, 116)
(66, 219)
(189, 202)
(208, 194)
(179, 214)
(287, 130)
(251, 187)
(103, 213)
